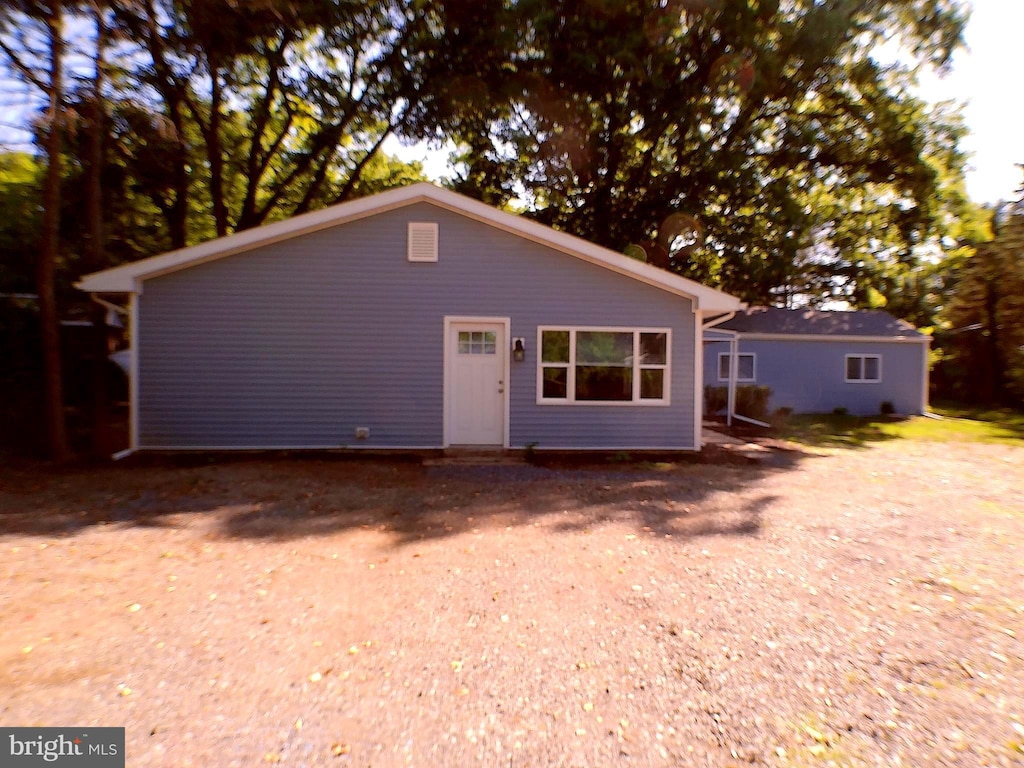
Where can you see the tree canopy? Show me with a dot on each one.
(809, 168)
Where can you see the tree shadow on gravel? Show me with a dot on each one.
(284, 499)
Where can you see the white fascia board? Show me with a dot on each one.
(128, 278)
(832, 338)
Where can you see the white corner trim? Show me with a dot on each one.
(133, 372)
(698, 380)
(925, 373)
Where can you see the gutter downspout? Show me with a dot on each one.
(731, 406)
(734, 356)
(132, 313)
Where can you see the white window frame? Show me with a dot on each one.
(422, 233)
(570, 398)
(739, 379)
(862, 380)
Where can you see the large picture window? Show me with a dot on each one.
(863, 369)
(603, 365)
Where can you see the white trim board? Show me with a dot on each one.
(829, 338)
(129, 277)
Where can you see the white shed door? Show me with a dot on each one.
(476, 384)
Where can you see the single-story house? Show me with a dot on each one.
(816, 361)
(413, 319)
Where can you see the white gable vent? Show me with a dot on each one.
(422, 241)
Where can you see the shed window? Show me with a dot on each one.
(863, 369)
(746, 366)
(422, 241)
(603, 366)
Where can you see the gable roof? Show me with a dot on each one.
(129, 278)
(773, 321)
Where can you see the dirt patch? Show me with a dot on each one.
(861, 607)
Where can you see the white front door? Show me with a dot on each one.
(475, 383)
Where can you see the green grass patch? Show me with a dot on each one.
(958, 424)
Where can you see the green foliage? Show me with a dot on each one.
(20, 223)
(751, 400)
(807, 166)
(983, 335)
(716, 399)
(958, 424)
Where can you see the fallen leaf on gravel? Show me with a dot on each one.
(814, 733)
(272, 757)
(353, 650)
(134, 607)
(124, 690)
(340, 749)
(298, 724)
(27, 649)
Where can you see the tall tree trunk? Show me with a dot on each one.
(215, 153)
(96, 242)
(997, 371)
(49, 320)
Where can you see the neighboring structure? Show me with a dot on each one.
(815, 361)
(413, 319)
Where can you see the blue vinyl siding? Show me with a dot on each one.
(296, 344)
(809, 376)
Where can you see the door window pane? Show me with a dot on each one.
(478, 343)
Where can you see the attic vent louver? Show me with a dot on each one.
(422, 241)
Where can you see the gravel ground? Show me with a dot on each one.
(847, 608)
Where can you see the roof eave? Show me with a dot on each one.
(129, 278)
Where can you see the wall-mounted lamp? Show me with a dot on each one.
(519, 349)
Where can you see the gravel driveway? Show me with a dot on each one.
(859, 607)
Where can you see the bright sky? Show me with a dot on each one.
(987, 78)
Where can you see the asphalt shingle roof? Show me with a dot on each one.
(814, 322)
